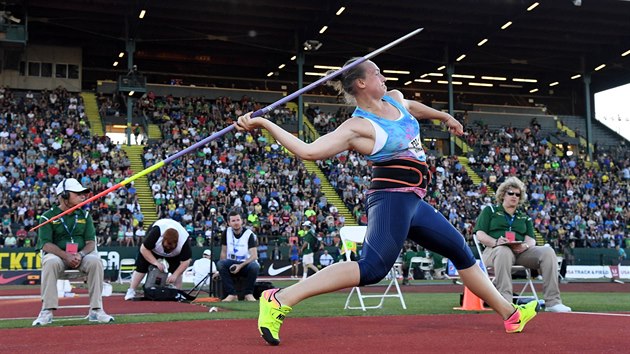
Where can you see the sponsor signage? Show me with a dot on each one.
(597, 272)
(15, 259)
(20, 260)
(23, 265)
(275, 268)
(31, 260)
(19, 277)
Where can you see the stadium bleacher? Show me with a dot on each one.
(505, 140)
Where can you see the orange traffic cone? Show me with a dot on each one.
(471, 302)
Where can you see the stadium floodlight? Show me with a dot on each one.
(312, 45)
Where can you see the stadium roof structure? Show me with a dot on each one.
(255, 39)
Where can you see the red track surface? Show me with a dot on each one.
(465, 333)
(548, 333)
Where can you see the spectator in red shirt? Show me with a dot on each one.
(53, 170)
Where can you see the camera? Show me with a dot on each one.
(233, 268)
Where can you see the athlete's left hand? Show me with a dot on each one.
(246, 122)
(454, 126)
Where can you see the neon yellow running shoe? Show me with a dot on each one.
(271, 316)
(522, 315)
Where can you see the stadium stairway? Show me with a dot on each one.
(270, 138)
(154, 132)
(143, 189)
(459, 142)
(331, 194)
(91, 111)
(463, 160)
(558, 152)
(329, 191)
(571, 134)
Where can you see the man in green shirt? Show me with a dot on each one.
(309, 247)
(408, 253)
(69, 243)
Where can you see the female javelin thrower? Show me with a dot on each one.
(385, 129)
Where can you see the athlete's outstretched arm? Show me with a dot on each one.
(421, 111)
(341, 139)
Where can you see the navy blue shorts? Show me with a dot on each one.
(396, 216)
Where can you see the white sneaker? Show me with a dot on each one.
(558, 308)
(99, 316)
(45, 317)
(131, 293)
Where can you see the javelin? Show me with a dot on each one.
(220, 133)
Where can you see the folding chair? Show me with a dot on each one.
(397, 268)
(425, 265)
(529, 284)
(560, 260)
(357, 234)
(125, 269)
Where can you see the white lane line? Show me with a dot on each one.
(600, 313)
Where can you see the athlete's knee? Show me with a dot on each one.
(371, 274)
(462, 258)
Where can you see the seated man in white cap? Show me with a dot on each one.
(69, 243)
(203, 267)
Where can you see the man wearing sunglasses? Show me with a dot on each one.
(508, 236)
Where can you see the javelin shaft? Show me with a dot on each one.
(103, 193)
(222, 132)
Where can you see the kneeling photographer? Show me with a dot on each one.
(238, 258)
(166, 239)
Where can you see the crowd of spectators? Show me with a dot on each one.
(326, 122)
(569, 199)
(44, 138)
(273, 190)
